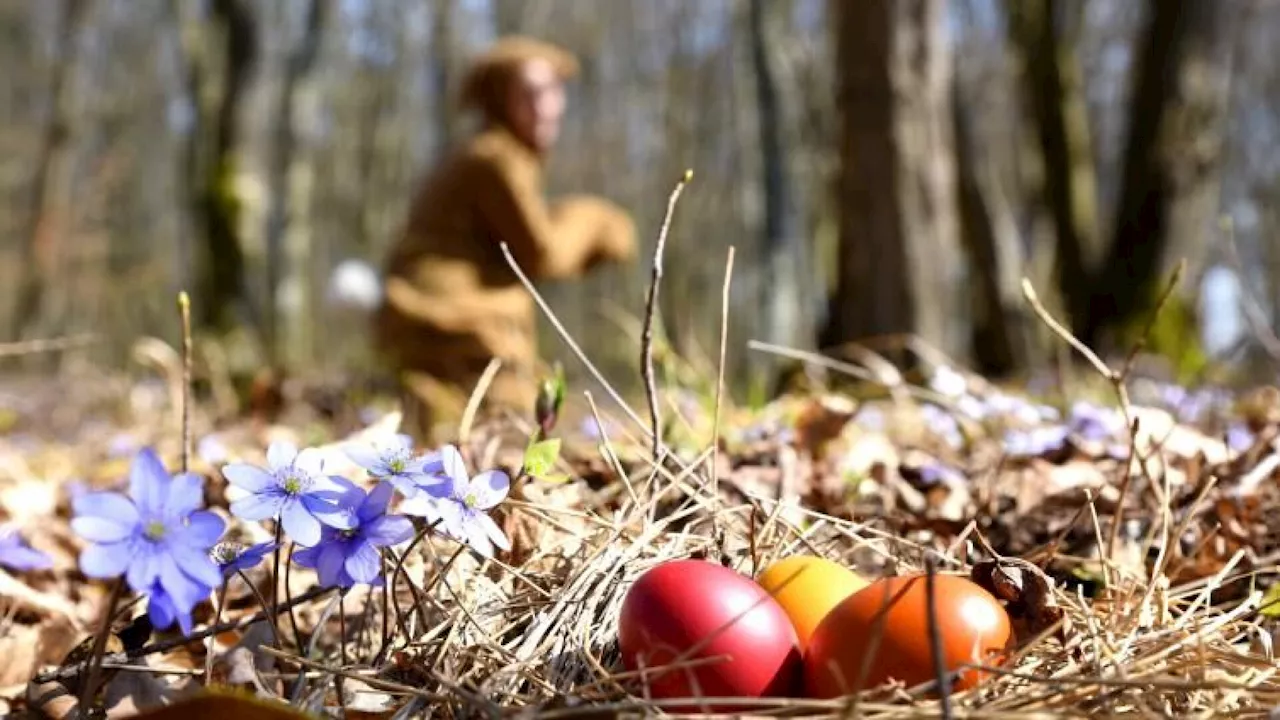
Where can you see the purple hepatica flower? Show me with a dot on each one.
(121, 445)
(1014, 407)
(870, 418)
(1095, 423)
(1239, 437)
(1034, 441)
(935, 472)
(15, 554)
(157, 537)
(211, 449)
(462, 507)
(234, 557)
(943, 424)
(395, 463)
(343, 558)
(293, 491)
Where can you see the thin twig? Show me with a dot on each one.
(43, 345)
(568, 339)
(650, 311)
(477, 395)
(935, 638)
(607, 449)
(99, 645)
(262, 601)
(715, 421)
(293, 616)
(1061, 331)
(184, 311)
(217, 619)
(275, 581)
(71, 671)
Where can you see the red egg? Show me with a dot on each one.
(696, 610)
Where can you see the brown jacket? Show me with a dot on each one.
(451, 301)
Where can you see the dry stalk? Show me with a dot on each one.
(715, 423)
(477, 396)
(33, 347)
(184, 311)
(650, 311)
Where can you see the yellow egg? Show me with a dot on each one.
(808, 587)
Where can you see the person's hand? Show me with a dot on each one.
(617, 239)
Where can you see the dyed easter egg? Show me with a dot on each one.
(739, 640)
(973, 628)
(808, 587)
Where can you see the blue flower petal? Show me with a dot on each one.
(203, 530)
(342, 517)
(478, 538)
(281, 454)
(362, 455)
(329, 565)
(494, 532)
(333, 488)
(307, 557)
(160, 609)
(453, 466)
(299, 524)
(109, 505)
(106, 561)
(148, 482)
(184, 590)
(248, 477)
(432, 463)
(375, 504)
(388, 530)
(422, 505)
(196, 565)
(145, 568)
(24, 559)
(101, 530)
(186, 494)
(489, 488)
(363, 563)
(310, 461)
(258, 507)
(405, 483)
(451, 519)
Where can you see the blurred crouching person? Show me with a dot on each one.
(451, 302)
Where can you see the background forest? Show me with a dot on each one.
(880, 167)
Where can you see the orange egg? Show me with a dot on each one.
(807, 587)
(973, 628)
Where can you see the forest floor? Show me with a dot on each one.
(1132, 540)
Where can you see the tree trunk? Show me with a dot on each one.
(298, 64)
(1053, 90)
(1169, 196)
(443, 55)
(899, 247)
(218, 76)
(1002, 338)
(785, 256)
(50, 201)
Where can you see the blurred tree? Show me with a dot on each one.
(51, 187)
(298, 64)
(1044, 36)
(222, 50)
(786, 320)
(899, 245)
(1169, 197)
